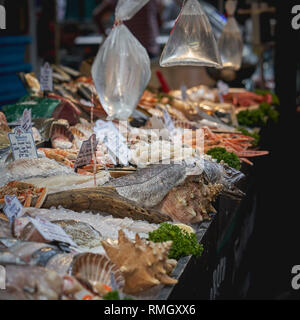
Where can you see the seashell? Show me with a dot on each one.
(182, 207)
(77, 133)
(141, 268)
(97, 270)
(60, 134)
(185, 227)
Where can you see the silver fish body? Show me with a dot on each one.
(31, 283)
(28, 168)
(33, 253)
(147, 187)
(83, 234)
(63, 182)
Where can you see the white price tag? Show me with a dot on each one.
(113, 140)
(51, 231)
(223, 89)
(85, 154)
(26, 120)
(22, 144)
(12, 208)
(168, 122)
(86, 103)
(46, 78)
(183, 92)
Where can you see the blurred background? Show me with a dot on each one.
(69, 32)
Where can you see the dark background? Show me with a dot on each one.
(275, 247)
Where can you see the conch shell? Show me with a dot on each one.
(143, 264)
(191, 202)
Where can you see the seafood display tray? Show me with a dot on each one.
(196, 277)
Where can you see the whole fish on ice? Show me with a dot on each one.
(63, 182)
(147, 187)
(28, 168)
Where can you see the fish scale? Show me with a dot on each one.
(147, 187)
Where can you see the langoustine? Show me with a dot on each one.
(232, 142)
(24, 192)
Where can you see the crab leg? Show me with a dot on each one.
(251, 153)
(41, 199)
(247, 161)
(28, 200)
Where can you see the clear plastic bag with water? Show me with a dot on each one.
(231, 42)
(121, 70)
(192, 42)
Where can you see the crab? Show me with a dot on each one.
(25, 192)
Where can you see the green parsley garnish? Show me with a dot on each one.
(184, 244)
(229, 158)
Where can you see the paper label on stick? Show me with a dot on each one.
(85, 154)
(22, 144)
(46, 78)
(12, 208)
(113, 140)
(168, 122)
(223, 89)
(51, 231)
(183, 89)
(26, 120)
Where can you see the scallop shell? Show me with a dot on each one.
(96, 269)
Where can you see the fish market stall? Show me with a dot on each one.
(108, 207)
(110, 189)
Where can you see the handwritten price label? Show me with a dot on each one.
(113, 140)
(85, 155)
(13, 207)
(51, 231)
(22, 144)
(223, 89)
(168, 122)
(183, 89)
(46, 78)
(26, 120)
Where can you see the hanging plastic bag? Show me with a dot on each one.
(192, 42)
(121, 70)
(231, 41)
